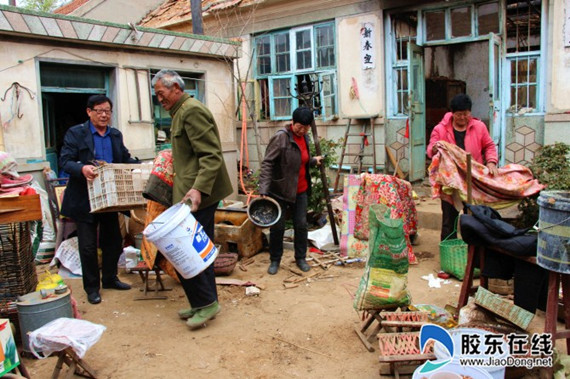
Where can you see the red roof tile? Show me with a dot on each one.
(175, 11)
(70, 7)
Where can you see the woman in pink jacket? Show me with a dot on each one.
(460, 128)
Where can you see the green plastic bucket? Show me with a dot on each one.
(553, 251)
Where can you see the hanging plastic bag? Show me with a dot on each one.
(384, 283)
(62, 333)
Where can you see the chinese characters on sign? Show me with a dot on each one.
(367, 49)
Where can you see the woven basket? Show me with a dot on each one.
(453, 257)
(225, 263)
(17, 268)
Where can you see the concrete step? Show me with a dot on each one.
(429, 214)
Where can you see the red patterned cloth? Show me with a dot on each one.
(162, 166)
(447, 176)
(393, 192)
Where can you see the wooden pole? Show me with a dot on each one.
(468, 178)
(325, 183)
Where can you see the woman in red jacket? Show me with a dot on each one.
(460, 128)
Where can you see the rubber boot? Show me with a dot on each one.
(186, 313)
(204, 314)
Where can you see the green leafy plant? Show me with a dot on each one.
(551, 167)
(317, 203)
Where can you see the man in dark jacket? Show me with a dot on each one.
(285, 177)
(83, 145)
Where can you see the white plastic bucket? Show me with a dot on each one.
(453, 370)
(182, 240)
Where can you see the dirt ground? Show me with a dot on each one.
(307, 331)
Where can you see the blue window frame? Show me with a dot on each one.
(287, 58)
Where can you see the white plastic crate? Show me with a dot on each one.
(118, 187)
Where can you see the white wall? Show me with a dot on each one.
(558, 77)
(24, 137)
(370, 81)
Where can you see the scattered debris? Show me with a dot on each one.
(252, 291)
(233, 282)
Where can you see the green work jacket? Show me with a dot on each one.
(197, 153)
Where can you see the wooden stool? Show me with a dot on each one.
(76, 365)
(143, 270)
(402, 349)
(387, 319)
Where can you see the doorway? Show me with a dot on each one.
(61, 111)
(65, 90)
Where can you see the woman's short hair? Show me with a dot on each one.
(461, 102)
(303, 116)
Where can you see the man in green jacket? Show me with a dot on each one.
(200, 177)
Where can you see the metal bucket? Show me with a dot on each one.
(264, 212)
(35, 311)
(553, 251)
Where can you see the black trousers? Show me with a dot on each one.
(448, 219)
(298, 211)
(111, 243)
(201, 289)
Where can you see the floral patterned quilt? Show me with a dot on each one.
(447, 176)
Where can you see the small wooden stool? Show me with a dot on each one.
(143, 270)
(387, 319)
(77, 366)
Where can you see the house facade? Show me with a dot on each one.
(398, 63)
(51, 64)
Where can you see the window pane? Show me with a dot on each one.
(325, 46)
(282, 62)
(532, 70)
(282, 52)
(522, 68)
(488, 18)
(280, 87)
(304, 49)
(281, 43)
(522, 97)
(303, 60)
(461, 22)
(263, 47)
(523, 26)
(402, 79)
(282, 107)
(532, 96)
(303, 39)
(264, 65)
(327, 85)
(71, 76)
(435, 25)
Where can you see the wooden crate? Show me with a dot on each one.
(234, 231)
(20, 209)
(118, 187)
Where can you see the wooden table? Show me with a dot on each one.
(555, 279)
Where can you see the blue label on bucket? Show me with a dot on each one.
(202, 244)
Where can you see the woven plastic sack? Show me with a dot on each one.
(62, 333)
(384, 283)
